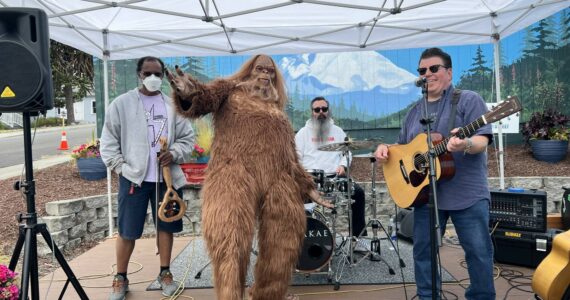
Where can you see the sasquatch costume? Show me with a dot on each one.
(253, 176)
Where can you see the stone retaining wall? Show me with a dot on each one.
(72, 222)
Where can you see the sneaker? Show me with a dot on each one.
(167, 284)
(120, 288)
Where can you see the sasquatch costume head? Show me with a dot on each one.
(261, 78)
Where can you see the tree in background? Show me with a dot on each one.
(566, 26)
(212, 69)
(479, 77)
(195, 67)
(544, 35)
(479, 64)
(72, 72)
(529, 45)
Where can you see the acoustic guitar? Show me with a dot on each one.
(172, 208)
(405, 171)
(551, 280)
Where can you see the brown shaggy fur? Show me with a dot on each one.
(253, 178)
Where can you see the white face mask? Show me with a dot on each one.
(152, 83)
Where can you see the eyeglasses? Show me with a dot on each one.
(147, 74)
(269, 70)
(318, 109)
(432, 69)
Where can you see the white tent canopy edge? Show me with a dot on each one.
(134, 28)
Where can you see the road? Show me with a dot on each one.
(45, 143)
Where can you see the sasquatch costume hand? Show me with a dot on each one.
(253, 175)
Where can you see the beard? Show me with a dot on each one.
(321, 128)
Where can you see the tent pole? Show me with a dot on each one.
(106, 55)
(497, 64)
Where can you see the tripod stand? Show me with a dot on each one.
(27, 238)
(374, 252)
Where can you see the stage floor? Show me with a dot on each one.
(96, 264)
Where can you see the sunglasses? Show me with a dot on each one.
(147, 74)
(319, 109)
(432, 69)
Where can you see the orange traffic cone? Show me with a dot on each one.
(63, 144)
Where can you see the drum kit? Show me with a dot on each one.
(322, 239)
(322, 234)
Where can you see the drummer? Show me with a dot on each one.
(318, 131)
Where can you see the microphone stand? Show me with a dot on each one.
(435, 236)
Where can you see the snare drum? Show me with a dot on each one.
(341, 186)
(318, 244)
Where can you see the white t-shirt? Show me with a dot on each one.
(312, 158)
(157, 119)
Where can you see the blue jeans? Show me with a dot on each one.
(472, 227)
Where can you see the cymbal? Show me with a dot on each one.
(350, 145)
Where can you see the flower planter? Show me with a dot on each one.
(203, 159)
(91, 168)
(551, 151)
(194, 172)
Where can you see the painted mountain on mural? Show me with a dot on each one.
(365, 83)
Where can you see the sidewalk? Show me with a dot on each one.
(16, 170)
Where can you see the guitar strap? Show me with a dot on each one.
(454, 100)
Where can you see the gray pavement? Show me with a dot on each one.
(43, 162)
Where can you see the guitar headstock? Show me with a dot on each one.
(504, 109)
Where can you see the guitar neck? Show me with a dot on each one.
(463, 132)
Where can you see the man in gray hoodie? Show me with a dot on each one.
(134, 122)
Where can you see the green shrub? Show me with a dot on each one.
(47, 122)
(546, 125)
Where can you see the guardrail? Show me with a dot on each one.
(12, 119)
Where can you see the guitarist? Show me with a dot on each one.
(465, 197)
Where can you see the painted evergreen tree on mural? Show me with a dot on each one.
(538, 77)
(566, 27)
(479, 77)
(195, 66)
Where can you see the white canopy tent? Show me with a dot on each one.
(126, 29)
(134, 28)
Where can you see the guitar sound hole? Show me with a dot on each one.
(419, 163)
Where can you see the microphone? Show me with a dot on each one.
(420, 81)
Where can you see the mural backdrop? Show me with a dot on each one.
(374, 90)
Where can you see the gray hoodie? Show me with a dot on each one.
(124, 141)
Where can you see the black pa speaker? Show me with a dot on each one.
(25, 72)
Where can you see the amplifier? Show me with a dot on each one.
(522, 248)
(518, 209)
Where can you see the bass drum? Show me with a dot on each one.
(318, 244)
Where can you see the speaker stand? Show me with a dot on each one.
(27, 238)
